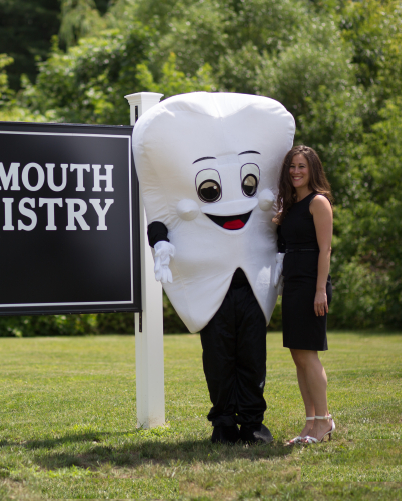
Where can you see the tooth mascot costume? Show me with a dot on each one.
(208, 166)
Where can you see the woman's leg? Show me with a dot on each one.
(313, 388)
(308, 401)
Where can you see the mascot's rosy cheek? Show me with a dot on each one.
(208, 166)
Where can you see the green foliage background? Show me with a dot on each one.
(335, 64)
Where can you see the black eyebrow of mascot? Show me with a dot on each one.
(214, 158)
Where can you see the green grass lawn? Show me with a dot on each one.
(68, 425)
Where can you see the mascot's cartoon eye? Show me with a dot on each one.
(208, 185)
(250, 176)
(209, 191)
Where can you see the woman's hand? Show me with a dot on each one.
(320, 303)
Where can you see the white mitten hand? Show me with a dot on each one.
(163, 252)
(278, 268)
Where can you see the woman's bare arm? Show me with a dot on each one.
(321, 210)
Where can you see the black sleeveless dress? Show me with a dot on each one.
(302, 329)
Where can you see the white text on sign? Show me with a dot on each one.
(76, 207)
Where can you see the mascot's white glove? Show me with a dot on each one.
(163, 252)
(278, 279)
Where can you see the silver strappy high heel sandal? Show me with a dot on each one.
(312, 440)
(299, 438)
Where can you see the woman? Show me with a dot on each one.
(304, 234)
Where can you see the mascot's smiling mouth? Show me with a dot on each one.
(231, 222)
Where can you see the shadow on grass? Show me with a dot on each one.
(49, 443)
(132, 450)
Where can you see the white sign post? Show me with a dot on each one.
(149, 323)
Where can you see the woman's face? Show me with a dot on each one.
(299, 171)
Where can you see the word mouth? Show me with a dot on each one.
(231, 222)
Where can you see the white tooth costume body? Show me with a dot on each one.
(167, 140)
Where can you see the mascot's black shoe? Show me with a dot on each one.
(256, 434)
(225, 435)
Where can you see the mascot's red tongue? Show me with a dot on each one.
(234, 225)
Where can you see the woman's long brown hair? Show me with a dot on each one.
(318, 182)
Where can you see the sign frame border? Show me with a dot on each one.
(135, 304)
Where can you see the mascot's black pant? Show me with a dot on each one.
(234, 358)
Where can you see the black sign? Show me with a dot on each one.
(69, 219)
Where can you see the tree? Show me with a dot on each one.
(26, 27)
(173, 81)
(336, 65)
(79, 18)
